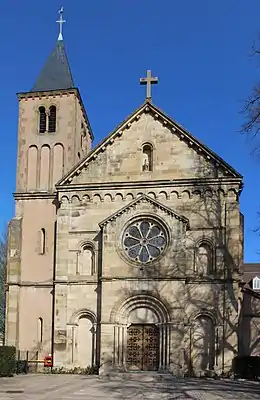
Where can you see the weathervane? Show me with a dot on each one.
(61, 21)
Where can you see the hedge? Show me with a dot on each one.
(7, 360)
(247, 367)
(21, 367)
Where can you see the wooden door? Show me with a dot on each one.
(142, 347)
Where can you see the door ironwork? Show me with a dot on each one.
(142, 347)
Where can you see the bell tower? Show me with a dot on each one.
(54, 132)
(53, 135)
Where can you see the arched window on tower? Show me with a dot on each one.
(147, 158)
(42, 119)
(204, 258)
(52, 119)
(42, 247)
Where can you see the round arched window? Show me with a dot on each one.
(144, 240)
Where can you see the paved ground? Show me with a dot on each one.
(139, 387)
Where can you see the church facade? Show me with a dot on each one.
(126, 256)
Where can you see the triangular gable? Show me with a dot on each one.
(149, 200)
(177, 129)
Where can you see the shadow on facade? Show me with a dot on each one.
(205, 270)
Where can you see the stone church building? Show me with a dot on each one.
(127, 255)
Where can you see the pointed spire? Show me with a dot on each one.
(56, 73)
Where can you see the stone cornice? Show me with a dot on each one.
(151, 184)
(82, 232)
(186, 280)
(47, 93)
(76, 282)
(34, 195)
(30, 284)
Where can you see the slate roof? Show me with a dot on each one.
(56, 73)
(250, 271)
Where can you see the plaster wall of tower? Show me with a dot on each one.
(37, 241)
(42, 159)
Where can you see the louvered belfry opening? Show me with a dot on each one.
(52, 119)
(42, 120)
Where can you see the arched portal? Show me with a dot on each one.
(141, 333)
(145, 302)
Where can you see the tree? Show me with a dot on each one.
(251, 110)
(3, 260)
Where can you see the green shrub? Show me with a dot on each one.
(247, 367)
(76, 370)
(7, 360)
(22, 367)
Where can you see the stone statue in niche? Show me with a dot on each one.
(147, 158)
(84, 141)
(86, 261)
(146, 162)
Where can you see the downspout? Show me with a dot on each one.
(99, 296)
(224, 291)
(53, 290)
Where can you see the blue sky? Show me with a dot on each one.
(199, 49)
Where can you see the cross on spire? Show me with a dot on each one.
(61, 21)
(149, 81)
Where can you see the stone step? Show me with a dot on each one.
(141, 376)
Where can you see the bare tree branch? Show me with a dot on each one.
(251, 109)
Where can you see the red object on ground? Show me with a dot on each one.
(48, 361)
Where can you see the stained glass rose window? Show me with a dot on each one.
(144, 240)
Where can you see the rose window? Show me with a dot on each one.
(144, 241)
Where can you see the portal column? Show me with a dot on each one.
(120, 348)
(163, 346)
(71, 343)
